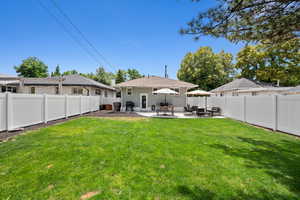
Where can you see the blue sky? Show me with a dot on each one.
(141, 34)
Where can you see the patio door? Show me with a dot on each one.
(143, 101)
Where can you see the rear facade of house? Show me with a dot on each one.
(140, 92)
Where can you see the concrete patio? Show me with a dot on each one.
(182, 115)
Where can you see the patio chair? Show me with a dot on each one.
(188, 108)
(215, 111)
(201, 112)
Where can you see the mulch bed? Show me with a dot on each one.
(5, 135)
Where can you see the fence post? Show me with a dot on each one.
(80, 104)
(244, 108)
(9, 112)
(275, 117)
(66, 106)
(45, 108)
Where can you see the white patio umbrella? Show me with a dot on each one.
(199, 92)
(202, 93)
(165, 91)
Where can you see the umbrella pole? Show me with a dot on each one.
(205, 103)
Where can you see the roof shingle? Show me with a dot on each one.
(237, 84)
(156, 81)
(77, 80)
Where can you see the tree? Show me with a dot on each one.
(133, 74)
(56, 72)
(103, 77)
(121, 76)
(32, 67)
(248, 20)
(270, 64)
(70, 72)
(206, 68)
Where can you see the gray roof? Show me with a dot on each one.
(5, 76)
(156, 81)
(237, 84)
(68, 80)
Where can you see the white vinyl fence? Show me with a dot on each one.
(275, 112)
(20, 110)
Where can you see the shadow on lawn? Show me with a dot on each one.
(281, 161)
(198, 193)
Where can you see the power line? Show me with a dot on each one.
(81, 33)
(69, 33)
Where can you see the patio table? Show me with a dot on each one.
(165, 110)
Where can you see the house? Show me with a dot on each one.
(246, 87)
(6, 80)
(65, 85)
(294, 90)
(140, 92)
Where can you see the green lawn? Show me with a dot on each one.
(150, 159)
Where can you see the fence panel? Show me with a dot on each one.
(288, 114)
(26, 110)
(2, 112)
(196, 101)
(217, 102)
(235, 108)
(95, 103)
(73, 105)
(85, 103)
(260, 110)
(56, 107)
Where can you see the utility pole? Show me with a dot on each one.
(166, 71)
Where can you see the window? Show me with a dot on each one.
(32, 90)
(118, 94)
(235, 94)
(77, 91)
(176, 90)
(153, 90)
(56, 90)
(98, 92)
(8, 89)
(105, 93)
(221, 94)
(129, 91)
(254, 93)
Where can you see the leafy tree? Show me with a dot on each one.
(56, 72)
(32, 67)
(133, 74)
(206, 68)
(103, 77)
(269, 64)
(70, 72)
(121, 76)
(248, 20)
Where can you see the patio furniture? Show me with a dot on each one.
(165, 109)
(215, 111)
(201, 112)
(188, 108)
(117, 106)
(129, 105)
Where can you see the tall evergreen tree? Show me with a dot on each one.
(275, 21)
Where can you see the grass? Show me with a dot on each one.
(150, 159)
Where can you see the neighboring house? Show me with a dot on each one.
(65, 85)
(139, 91)
(246, 87)
(5, 80)
(294, 90)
